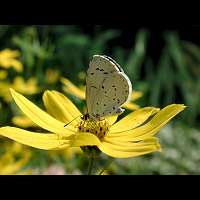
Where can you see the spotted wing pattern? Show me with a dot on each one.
(107, 87)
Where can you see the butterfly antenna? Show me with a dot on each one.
(72, 120)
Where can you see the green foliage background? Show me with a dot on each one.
(173, 77)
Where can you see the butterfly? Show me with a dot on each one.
(107, 87)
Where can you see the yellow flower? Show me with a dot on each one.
(70, 88)
(9, 58)
(19, 84)
(134, 135)
(3, 74)
(24, 122)
(14, 159)
(4, 91)
(26, 87)
(52, 76)
(79, 92)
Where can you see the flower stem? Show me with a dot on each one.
(90, 166)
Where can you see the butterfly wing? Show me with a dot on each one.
(107, 87)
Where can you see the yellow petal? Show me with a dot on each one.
(133, 146)
(85, 139)
(7, 59)
(38, 140)
(17, 65)
(111, 119)
(136, 95)
(72, 89)
(125, 144)
(130, 106)
(119, 152)
(40, 117)
(8, 53)
(153, 126)
(61, 107)
(133, 120)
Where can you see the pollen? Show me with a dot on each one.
(97, 127)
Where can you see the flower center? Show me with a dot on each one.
(98, 127)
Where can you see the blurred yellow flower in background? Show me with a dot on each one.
(79, 92)
(14, 158)
(9, 58)
(67, 153)
(23, 121)
(28, 87)
(70, 88)
(52, 76)
(3, 74)
(131, 136)
(25, 87)
(82, 75)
